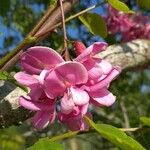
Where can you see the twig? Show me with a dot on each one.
(64, 31)
(43, 19)
(125, 115)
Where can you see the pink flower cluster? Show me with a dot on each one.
(65, 88)
(129, 26)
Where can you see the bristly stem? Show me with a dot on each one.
(70, 18)
(64, 31)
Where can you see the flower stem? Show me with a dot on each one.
(64, 31)
(71, 17)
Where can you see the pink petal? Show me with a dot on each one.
(94, 71)
(84, 109)
(38, 58)
(74, 123)
(35, 106)
(67, 104)
(72, 73)
(36, 92)
(91, 50)
(42, 76)
(26, 79)
(79, 96)
(102, 98)
(106, 81)
(42, 118)
(105, 66)
(53, 85)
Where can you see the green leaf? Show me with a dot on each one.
(144, 4)
(95, 24)
(45, 144)
(120, 6)
(5, 76)
(145, 121)
(116, 136)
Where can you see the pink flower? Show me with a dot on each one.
(100, 73)
(75, 84)
(117, 21)
(65, 80)
(128, 26)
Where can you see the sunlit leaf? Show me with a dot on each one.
(95, 24)
(116, 136)
(120, 6)
(11, 138)
(45, 144)
(145, 121)
(5, 75)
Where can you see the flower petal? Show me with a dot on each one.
(38, 58)
(102, 98)
(91, 50)
(53, 85)
(106, 81)
(105, 66)
(42, 118)
(67, 104)
(79, 96)
(72, 72)
(35, 106)
(36, 92)
(74, 123)
(26, 79)
(94, 71)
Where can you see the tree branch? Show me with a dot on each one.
(131, 55)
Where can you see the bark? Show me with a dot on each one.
(134, 54)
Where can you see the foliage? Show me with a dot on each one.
(116, 136)
(119, 6)
(46, 145)
(145, 121)
(92, 21)
(11, 138)
(144, 4)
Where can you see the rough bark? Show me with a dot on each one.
(128, 55)
(134, 54)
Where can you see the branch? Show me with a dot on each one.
(134, 54)
(130, 55)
